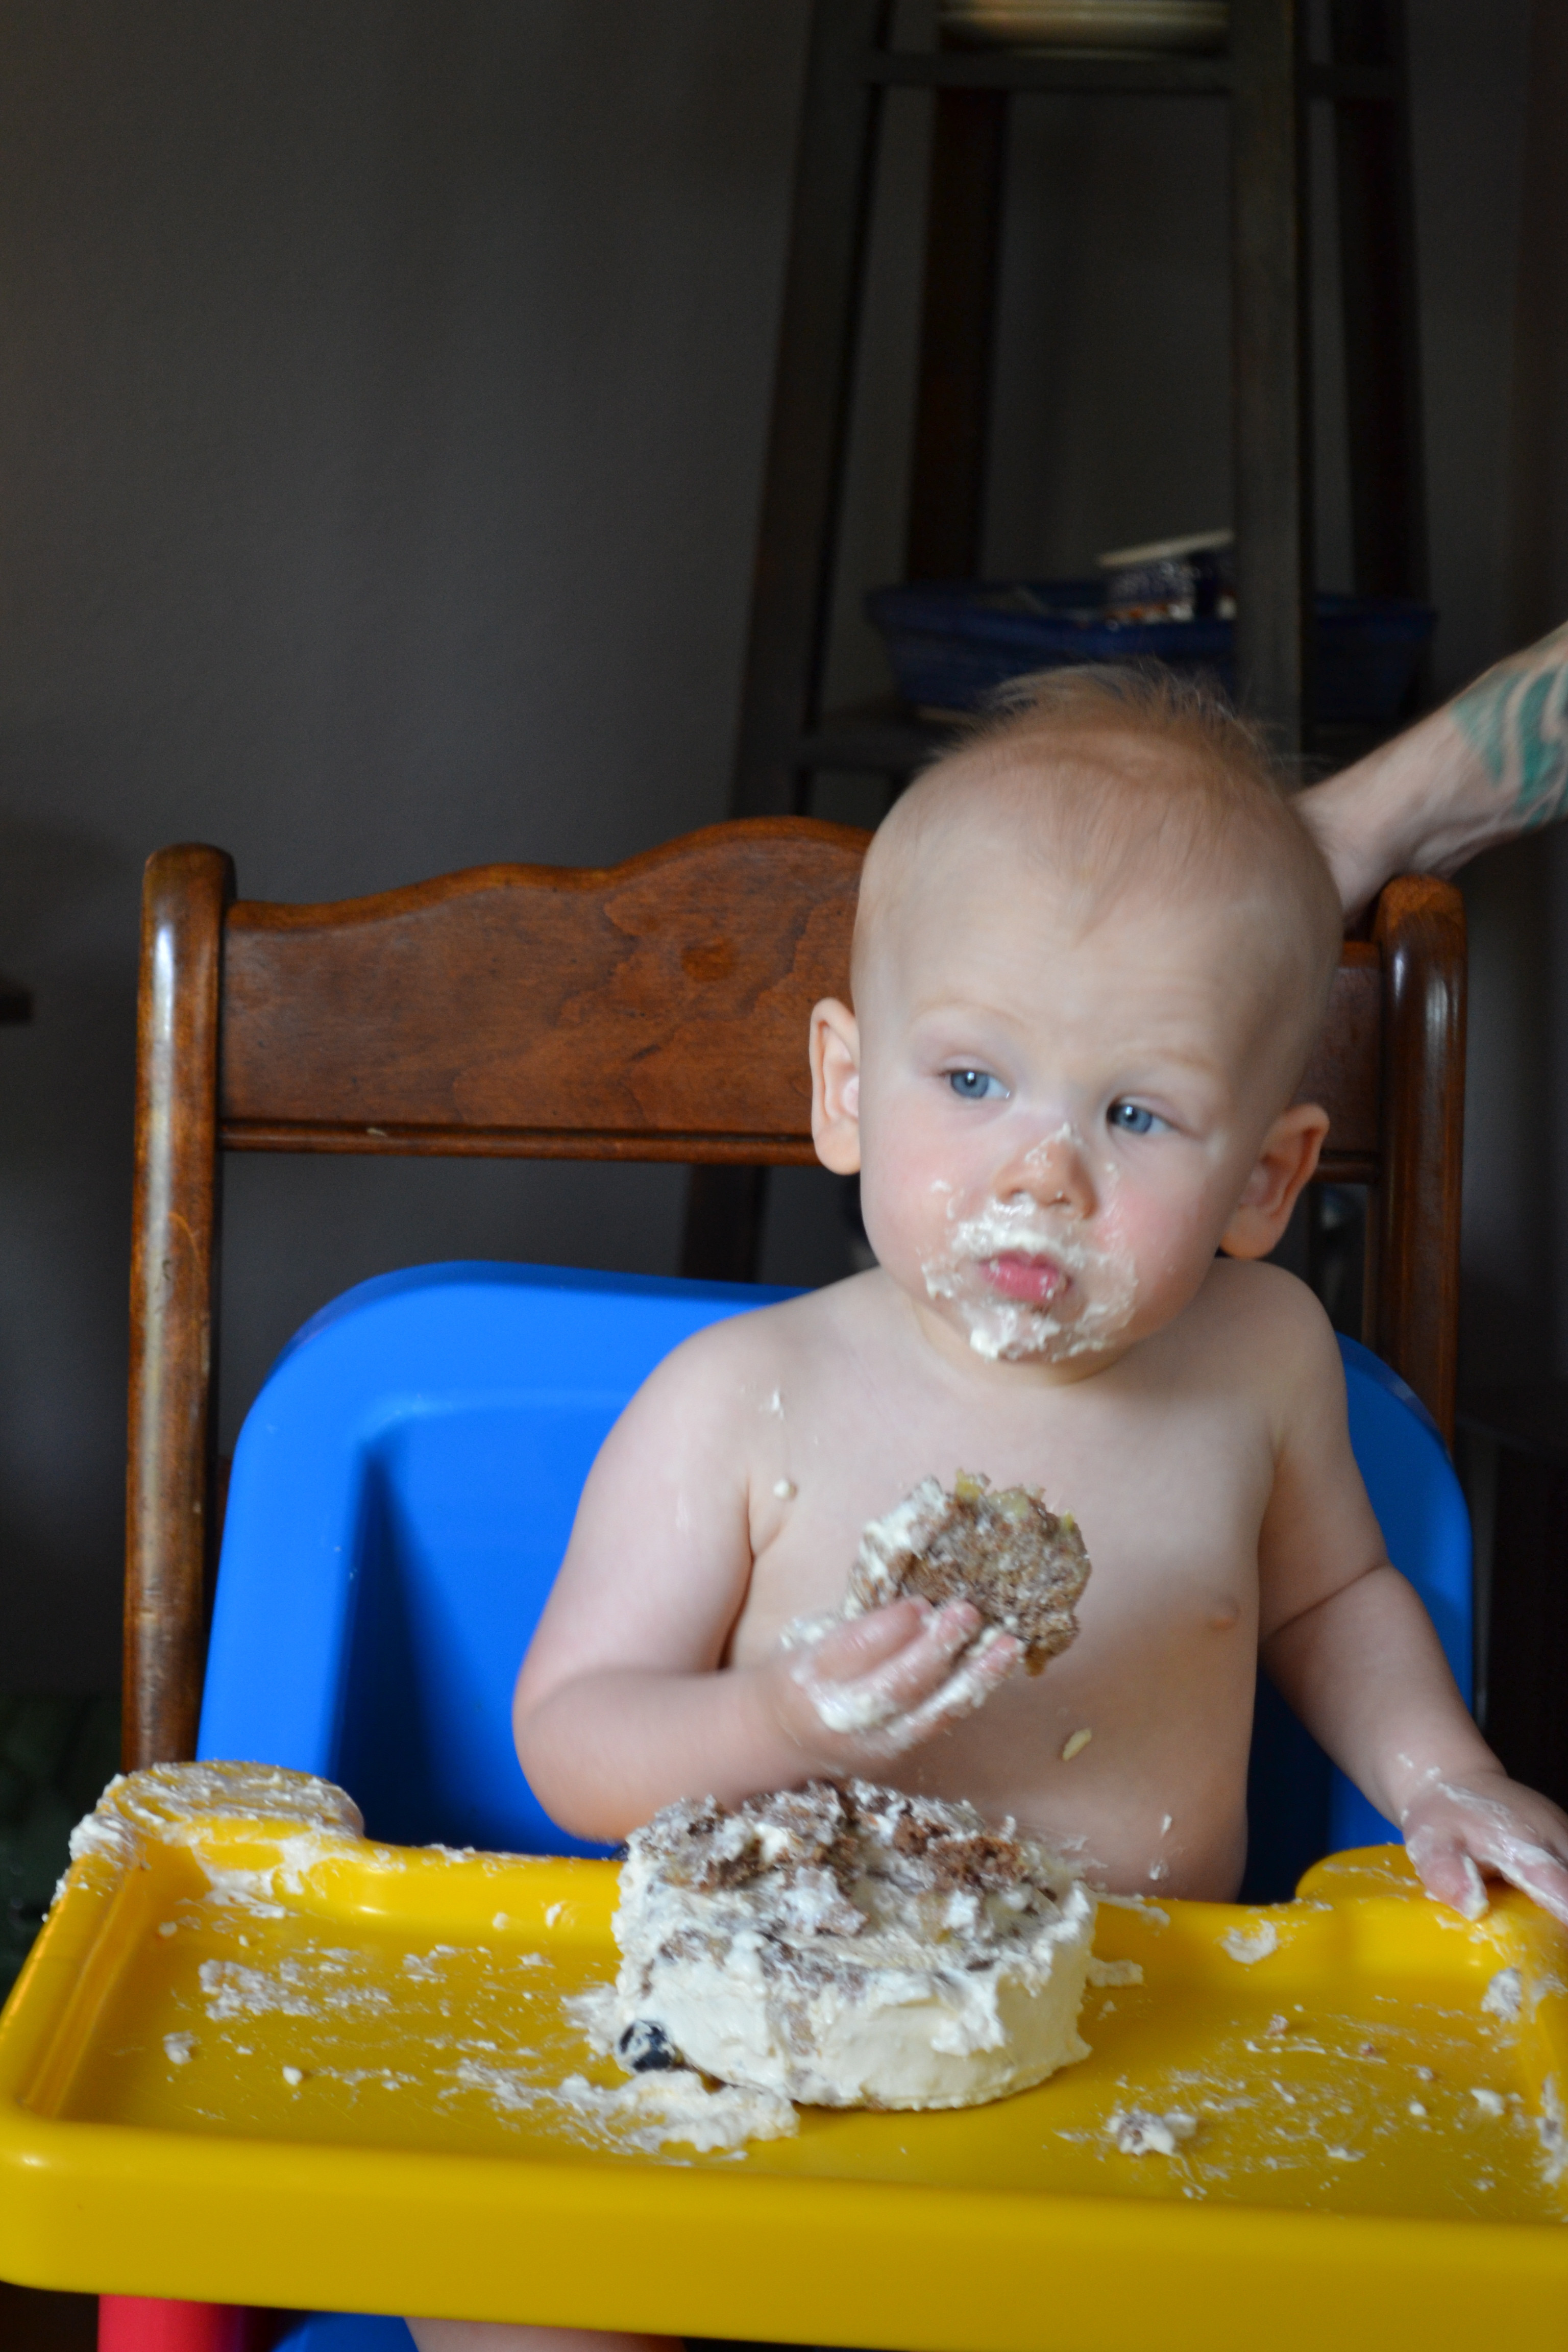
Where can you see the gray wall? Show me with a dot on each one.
(382, 399)
(382, 392)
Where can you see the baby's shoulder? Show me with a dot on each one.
(1266, 1327)
(740, 1360)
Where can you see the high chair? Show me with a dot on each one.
(656, 1011)
(653, 1010)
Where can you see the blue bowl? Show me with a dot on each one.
(952, 643)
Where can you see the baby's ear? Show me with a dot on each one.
(1284, 1162)
(836, 1087)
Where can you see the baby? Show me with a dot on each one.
(1092, 950)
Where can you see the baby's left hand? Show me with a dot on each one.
(1456, 1832)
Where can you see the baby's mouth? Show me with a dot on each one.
(1017, 1274)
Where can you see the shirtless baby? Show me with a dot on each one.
(1092, 950)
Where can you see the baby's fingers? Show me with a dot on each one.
(1536, 1873)
(857, 1703)
(1446, 1870)
(976, 1675)
(844, 1651)
(1508, 1831)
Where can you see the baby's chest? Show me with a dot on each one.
(1170, 1510)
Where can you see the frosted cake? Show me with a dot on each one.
(845, 1945)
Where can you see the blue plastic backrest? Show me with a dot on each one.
(1420, 1507)
(402, 1494)
(1300, 1805)
(403, 1489)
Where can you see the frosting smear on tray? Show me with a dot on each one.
(846, 1945)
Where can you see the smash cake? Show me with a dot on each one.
(845, 1945)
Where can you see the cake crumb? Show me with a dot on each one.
(679, 2106)
(1504, 1996)
(1250, 1945)
(1138, 2132)
(1114, 1973)
(1552, 2129)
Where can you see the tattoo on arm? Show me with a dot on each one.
(1517, 719)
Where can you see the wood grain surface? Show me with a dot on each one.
(173, 1223)
(1419, 931)
(657, 1009)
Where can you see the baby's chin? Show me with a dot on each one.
(1017, 1308)
(1004, 1331)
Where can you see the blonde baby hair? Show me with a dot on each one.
(1125, 778)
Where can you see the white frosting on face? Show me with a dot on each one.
(868, 1971)
(1094, 1305)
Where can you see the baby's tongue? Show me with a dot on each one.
(1016, 1276)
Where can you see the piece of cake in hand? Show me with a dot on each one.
(848, 1946)
(1022, 1566)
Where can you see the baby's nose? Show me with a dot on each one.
(1056, 1173)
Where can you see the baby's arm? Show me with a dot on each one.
(621, 1706)
(1346, 1640)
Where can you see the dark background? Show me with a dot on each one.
(383, 387)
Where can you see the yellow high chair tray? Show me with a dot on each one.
(254, 2058)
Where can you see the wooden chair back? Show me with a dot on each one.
(651, 1010)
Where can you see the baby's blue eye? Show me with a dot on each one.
(1133, 1119)
(975, 1085)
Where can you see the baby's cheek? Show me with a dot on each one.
(1167, 1243)
(909, 1189)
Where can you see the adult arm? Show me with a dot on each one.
(1490, 764)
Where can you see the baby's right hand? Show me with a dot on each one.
(886, 1682)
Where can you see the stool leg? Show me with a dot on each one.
(140, 2322)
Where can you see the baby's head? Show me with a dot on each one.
(1093, 948)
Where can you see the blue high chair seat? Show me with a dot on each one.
(402, 1494)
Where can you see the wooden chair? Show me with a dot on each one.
(651, 1010)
